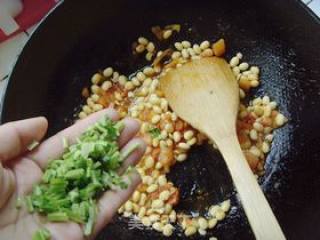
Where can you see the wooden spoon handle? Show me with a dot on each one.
(261, 218)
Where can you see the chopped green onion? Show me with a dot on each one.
(120, 126)
(76, 217)
(75, 174)
(155, 132)
(19, 202)
(41, 234)
(58, 217)
(65, 143)
(29, 204)
(33, 145)
(92, 218)
(71, 184)
(37, 190)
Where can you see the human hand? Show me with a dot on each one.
(20, 170)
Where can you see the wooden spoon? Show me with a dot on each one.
(205, 93)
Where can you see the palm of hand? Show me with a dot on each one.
(22, 172)
(18, 223)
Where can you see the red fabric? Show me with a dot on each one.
(33, 12)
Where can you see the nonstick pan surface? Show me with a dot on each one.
(282, 37)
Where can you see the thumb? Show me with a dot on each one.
(7, 184)
(17, 136)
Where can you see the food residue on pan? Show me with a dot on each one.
(169, 138)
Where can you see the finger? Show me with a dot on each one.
(53, 148)
(7, 185)
(135, 156)
(64, 231)
(19, 135)
(112, 200)
(132, 127)
(131, 160)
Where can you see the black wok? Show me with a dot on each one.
(282, 37)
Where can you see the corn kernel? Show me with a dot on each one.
(167, 230)
(190, 230)
(152, 188)
(203, 224)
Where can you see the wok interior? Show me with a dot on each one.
(59, 60)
